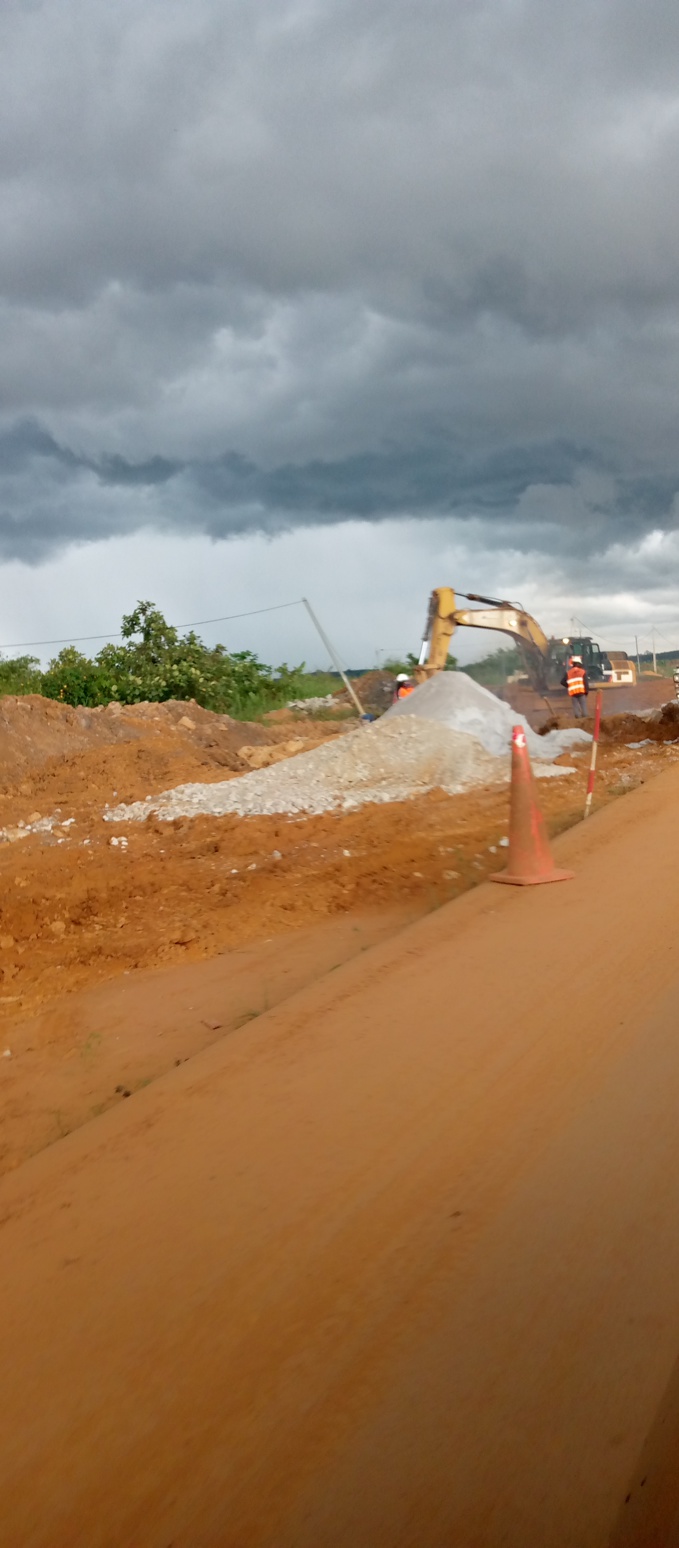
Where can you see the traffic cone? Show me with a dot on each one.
(530, 858)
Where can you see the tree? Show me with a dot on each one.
(153, 662)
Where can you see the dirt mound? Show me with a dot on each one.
(660, 725)
(655, 725)
(33, 729)
(374, 690)
(34, 732)
(621, 730)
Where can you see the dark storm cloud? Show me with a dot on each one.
(265, 264)
(542, 494)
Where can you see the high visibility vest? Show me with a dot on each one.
(403, 690)
(575, 679)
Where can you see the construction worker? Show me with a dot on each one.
(575, 680)
(404, 686)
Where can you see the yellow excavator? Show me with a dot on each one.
(544, 658)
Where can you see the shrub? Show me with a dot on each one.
(154, 662)
(22, 675)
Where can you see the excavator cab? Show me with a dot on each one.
(595, 662)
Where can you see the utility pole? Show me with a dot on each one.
(636, 646)
(333, 656)
(654, 665)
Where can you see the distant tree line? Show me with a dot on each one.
(495, 669)
(153, 662)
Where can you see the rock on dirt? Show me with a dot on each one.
(390, 761)
(262, 757)
(309, 706)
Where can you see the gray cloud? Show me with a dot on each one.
(276, 263)
(545, 495)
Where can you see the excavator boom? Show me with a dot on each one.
(444, 618)
(544, 659)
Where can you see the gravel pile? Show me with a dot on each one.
(390, 761)
(455, 700)
(307, 706)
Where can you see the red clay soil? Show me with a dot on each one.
(395, 1265)
(622, 730)
(77, 911)
(35, 731)
(631, 728)
(92, 1049)
(73, 902)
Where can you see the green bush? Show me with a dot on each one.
(74, 679)
(22, 675)
(154, 662)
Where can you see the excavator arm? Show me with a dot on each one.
(444, 618)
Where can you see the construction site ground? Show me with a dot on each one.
(104, 949)
(623, 699)
(393, 1264)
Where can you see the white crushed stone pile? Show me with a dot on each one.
(455, 700)
(321, 701)
(389, 761)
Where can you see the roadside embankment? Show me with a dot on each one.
(394, 1264)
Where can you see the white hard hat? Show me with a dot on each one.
(402, 677)
(577, 660)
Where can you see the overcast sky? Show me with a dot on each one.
(347, 298)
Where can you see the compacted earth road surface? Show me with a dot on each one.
(383, 1254)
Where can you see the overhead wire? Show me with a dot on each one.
(199, 623)
(116, 634)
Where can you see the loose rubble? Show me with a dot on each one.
(308, 706)
(21, 830)
(390, 761)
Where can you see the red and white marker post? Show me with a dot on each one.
(592, 766)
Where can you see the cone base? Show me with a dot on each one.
(531, 881)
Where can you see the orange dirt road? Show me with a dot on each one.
(396, 1264)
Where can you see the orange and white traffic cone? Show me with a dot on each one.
(530, 858)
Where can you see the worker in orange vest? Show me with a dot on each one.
(575, 680)
(404, 686)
